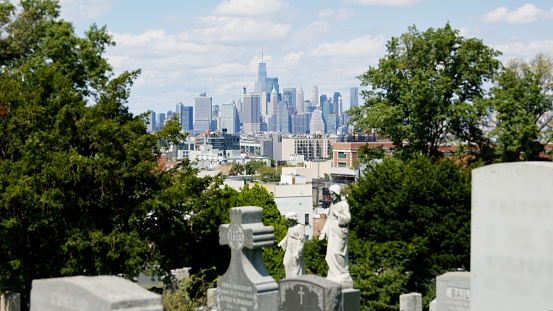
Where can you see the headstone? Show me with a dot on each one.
(512, 237)
(212, 299)
(10, 301)
(92, 293)
(453, 291)
(310, 292)
(433, 306)
(410, 302)
(246, 285)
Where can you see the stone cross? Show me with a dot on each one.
(246, 285)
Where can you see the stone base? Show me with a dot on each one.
(351, 299)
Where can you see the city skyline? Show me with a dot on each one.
(185, 48)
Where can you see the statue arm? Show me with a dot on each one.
(344, 215)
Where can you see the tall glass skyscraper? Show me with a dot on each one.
(202, 112)
(353, 97)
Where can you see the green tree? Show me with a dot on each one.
(253, 166)
(411, 222)
(522, 101)
(424, 91)
(76, 180)
(236, 169)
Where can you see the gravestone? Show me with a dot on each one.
(310, 292)
(512, 237)
(92, 293)
(410, 302)
(433, 306)
(314, 293)
(10, 301)
(453, 291)
(246, 285)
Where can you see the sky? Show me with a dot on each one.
(185, 48)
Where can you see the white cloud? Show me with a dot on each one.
(293, 57)
(85, 10)
(363, 46)
(384, 2)
(339, 15)
(525, 14)
(238, 30)
(249, 7)
(520, 49)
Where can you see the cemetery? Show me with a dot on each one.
(511, 262)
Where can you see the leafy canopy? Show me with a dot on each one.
(424, 90)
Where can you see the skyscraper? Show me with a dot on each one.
(273, 102)
(315, 101)
(160, 120)
(353, 97)
(151, 122)
(317, 125)
(186, 118)
(202, 112)
(289, 97)
(282, 118)
(261, 84)
(250, 116)
(300, 102)
(229, 118)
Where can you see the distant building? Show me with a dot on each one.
(353, 97)
(202, 113)
(186, 118)
(298, 123)
(315, 101)
(300, 107)
(289, 97)
(250, 116)
(160, 121)
(312, 148)
(151, 122)
(229, 118)
(317, 125)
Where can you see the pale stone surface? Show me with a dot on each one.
(310, 292)
(246, 285)
(292, 244)
(212, 299)
(336, 230)
(433, 305)
(92, 293)
(512, 237)
(10, 302)
(410, 302)
(453, 291)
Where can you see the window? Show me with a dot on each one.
(341, 155)
(341, 164)
(306, 219)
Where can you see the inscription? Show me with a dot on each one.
(458, 293)
(236, 294)
(235, 237)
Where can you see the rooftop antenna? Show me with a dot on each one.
(262, 55)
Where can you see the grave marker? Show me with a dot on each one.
(453, 291)
(246, 285)
(512, 237)
(92, 293)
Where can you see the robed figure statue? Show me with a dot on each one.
(336, 230)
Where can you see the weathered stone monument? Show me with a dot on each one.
(410, 302)
(453, 291)
(10, 301)
(246, 285)
(92, 293)
(310, 292)
(512, 237)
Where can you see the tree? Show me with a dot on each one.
(410, 223)
(236, 169)
(522, 102)
(424, 91)
(253, 166)
(77, 180)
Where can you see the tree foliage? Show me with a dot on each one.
(522, 102)
(411, 223)
(424, 91)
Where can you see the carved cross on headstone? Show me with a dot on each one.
(246, 285)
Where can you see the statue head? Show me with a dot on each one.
(337, 190)
(291, 216)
